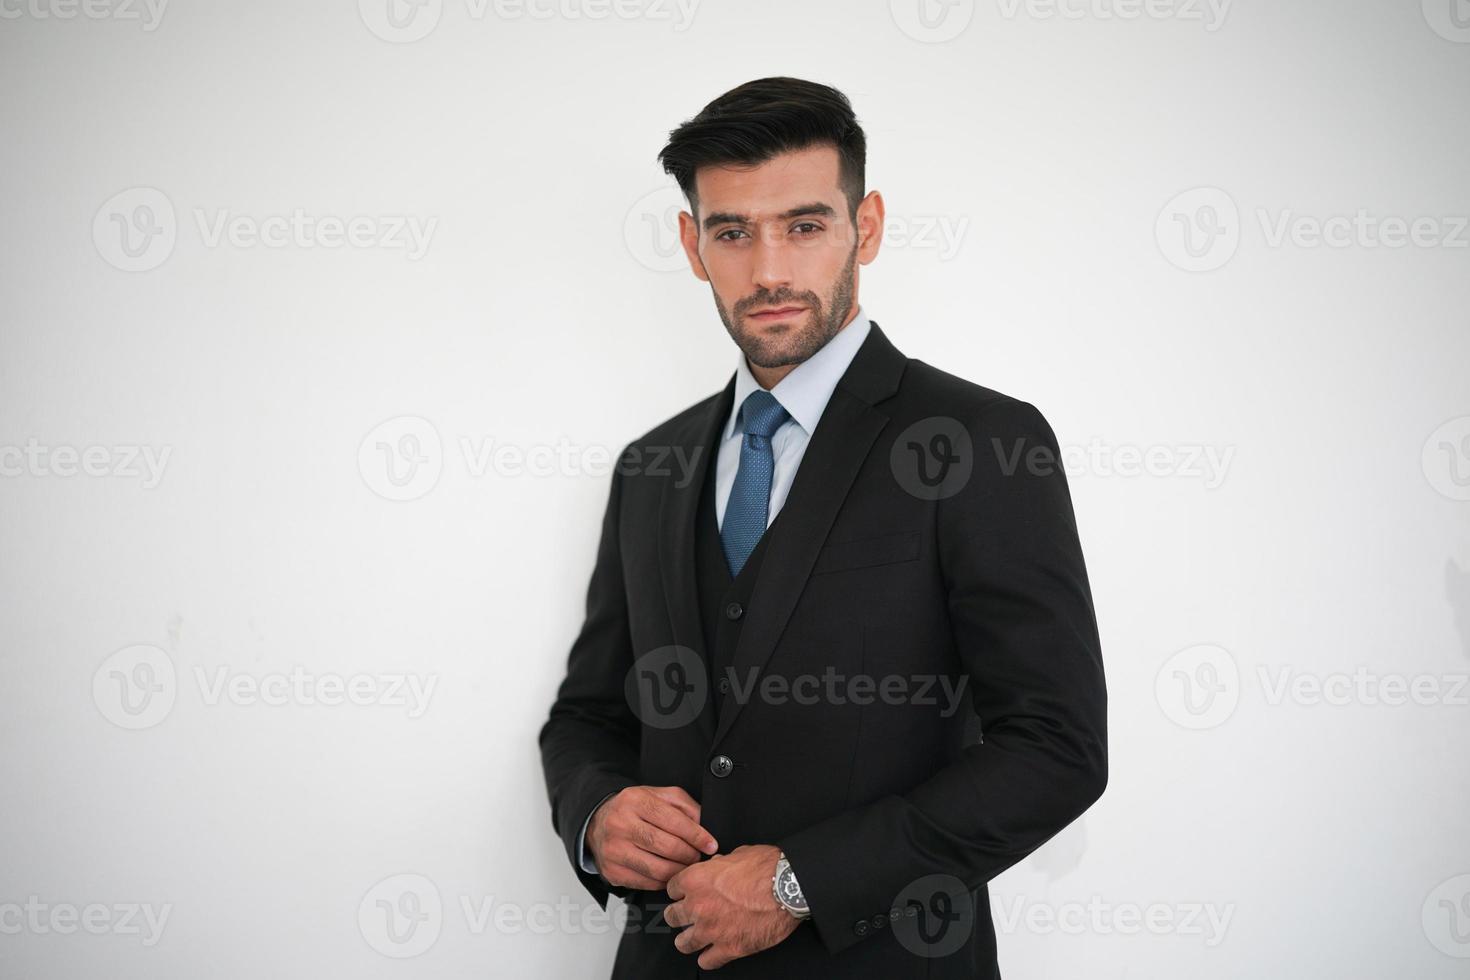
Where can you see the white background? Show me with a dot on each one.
(1325, 833)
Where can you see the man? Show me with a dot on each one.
(844, 669)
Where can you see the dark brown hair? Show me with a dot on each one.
(757, 121)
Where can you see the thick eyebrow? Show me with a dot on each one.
(800, 211)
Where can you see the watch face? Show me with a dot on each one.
(790, 890)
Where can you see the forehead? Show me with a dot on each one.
(799, 176)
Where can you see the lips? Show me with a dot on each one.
(778, 312)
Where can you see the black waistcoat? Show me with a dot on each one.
(722, 600)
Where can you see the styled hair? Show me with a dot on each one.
(759, 120)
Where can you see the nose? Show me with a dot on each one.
(771, 264)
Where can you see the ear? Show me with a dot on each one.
(870, 214)
(689, 238)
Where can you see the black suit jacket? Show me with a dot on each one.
(928, 536)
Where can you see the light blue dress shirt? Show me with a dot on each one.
(804, 393)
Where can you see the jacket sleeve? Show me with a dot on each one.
(589, 744)
(1024, 628)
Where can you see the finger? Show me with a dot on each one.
(690, 940)
(680, 797)
(678, 823)
(648, 865)
(655, 840)
(624, 877)
(675, 887)
(677, 915)
(713, 958)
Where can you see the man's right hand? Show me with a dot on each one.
(645, 835)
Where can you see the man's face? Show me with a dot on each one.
(780, 252)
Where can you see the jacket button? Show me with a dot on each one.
(879, 921)
(861, 927)
(724, 685)
(734, 611)
(721, 765)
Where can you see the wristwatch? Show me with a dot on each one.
(788, 893)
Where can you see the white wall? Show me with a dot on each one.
(1327, 543)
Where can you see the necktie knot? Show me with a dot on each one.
(762, 413)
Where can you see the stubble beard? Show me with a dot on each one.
(799, 339)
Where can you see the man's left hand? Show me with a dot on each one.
(727, 905)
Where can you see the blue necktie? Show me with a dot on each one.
(750, 498)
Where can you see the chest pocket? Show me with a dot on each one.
(884, 549)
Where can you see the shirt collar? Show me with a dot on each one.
(806, 389)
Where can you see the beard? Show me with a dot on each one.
(800, 337)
